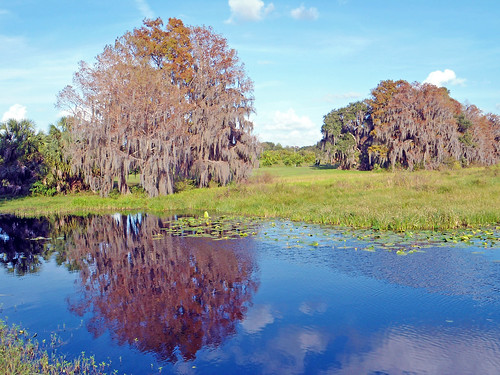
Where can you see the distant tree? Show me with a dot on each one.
(20, 160)
(410, 126)
(270, 146)
(479, 136)
(267, 146)
(288, 156)
(417, 125)
(172, 102)
(269, 158)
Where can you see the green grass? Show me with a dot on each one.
(386, 200)
(20, 354)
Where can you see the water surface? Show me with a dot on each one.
(151, 295)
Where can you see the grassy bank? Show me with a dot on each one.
(385, 200)
(22, 355)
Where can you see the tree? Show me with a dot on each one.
(417, 125)
(173, 102)
(494, 121)
(411, 126)
(479, 136)
(20, 160)
(270, 146)
(345, 132)
(57, 175)
(221, 99)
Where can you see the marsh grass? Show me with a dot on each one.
(398, 200)
(20, 354)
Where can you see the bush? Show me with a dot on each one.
(184, 185)
(138, 190)
(39, 189)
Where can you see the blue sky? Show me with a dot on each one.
(305, 57)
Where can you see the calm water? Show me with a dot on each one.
(282, 298)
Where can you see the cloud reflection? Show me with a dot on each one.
(257, 318)
(311, 308)
(429, 350)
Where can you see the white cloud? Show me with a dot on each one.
(248, 10)
(302, 13)
(442, 78)
(16, 112)
(144, 8)
(331, 98)
(289, 120)
(289, 129)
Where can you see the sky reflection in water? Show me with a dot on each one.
(291, 299)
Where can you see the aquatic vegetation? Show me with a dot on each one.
(221, 227)
(22, 354)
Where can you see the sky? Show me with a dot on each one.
(305, 58)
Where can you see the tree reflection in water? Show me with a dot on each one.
(21, 243)
(162, 294)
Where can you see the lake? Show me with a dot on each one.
(209, 295)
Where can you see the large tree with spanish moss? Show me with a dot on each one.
(412, 126)
(173, 101)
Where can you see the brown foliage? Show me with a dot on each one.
(419, 125)
(411, 126)
(172, 102)
(480, 142)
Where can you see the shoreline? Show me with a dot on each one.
(401, 200)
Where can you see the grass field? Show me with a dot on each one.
(385, 200)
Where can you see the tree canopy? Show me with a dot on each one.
(20, 159)
(171, 101)
(412, 126)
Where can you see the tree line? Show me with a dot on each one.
(290, 156)
(411, 126)
(172, 103)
